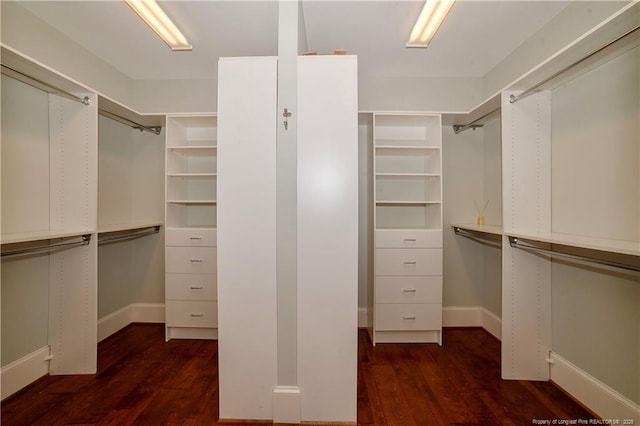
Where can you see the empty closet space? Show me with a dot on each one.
(130, 215)
(595, 195)
(49, 173)
(473, 208)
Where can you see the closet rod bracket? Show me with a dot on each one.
(459, 128)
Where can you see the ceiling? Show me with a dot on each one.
(475, 37)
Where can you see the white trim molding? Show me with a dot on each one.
(135, 312)
(472, 316)
(24, 371)
(600, 398)
(363, 319)
(286, 405)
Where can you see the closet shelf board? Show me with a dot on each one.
(40, 236)
(193, 175)
(405, 203)
(105, 229)
(192, 202)
(487, 229)
(579, 241)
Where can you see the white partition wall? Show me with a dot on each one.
(247, 236)
(327, 237)
(526, 277)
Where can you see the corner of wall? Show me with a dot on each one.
(572, 22)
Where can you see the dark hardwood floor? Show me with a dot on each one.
(143, 380)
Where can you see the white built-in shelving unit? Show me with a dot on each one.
(191, 239)
(407, 166)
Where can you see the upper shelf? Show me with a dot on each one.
(25, 237)
(485, 229)
(593, 48)
(31, 72)
(601, 244)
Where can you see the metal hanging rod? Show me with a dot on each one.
(514, 98)
(480, 237)
(459, 128)
(515, 243)
(32, 81)
(153, 129)
(128, 235)
(84, 240)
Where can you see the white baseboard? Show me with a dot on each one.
(492, 323)
(363, 317)
(462, 316)
(24, 371)
(600, 398)
(136, 312)
(286, 405)
(148, 312)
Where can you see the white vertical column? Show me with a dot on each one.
(327, 237)
(526, 277)
(247, 236)
(286, 395)
(73, 273)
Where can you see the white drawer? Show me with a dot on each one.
(408, 316)
(180, 313)
(409, 238)
(191, 286)
(191, 237)
(391, 262)
(409, 289)
(190, 260)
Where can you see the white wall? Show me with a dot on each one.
(595, 187)
(25, 198)
(492, 256)
(419, 94)
(130, 189)
(463, 182)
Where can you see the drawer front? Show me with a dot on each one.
(191, 286)
(409, 289)
(191, 237)
(390, 262)
(409, 238)
(190, 260)
(408, 316)
(180, 313)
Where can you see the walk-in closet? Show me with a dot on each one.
(305, 205)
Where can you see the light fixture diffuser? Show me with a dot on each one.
(432, 15)
(159, 22)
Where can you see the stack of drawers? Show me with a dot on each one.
(408, 286)
(191, 283)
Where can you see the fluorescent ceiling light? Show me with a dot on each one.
(159, 22)
(432, 15)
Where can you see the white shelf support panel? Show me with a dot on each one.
(526, 277)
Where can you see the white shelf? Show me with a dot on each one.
(194, 150)
(26, 237)
(191, 228)
(193, 175)
(127, 227)
(405, 203)
(486, 229)
(407, 175)
(192, 202)
(602, 244)
(403, 150)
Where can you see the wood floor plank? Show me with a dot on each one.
(144, 380)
